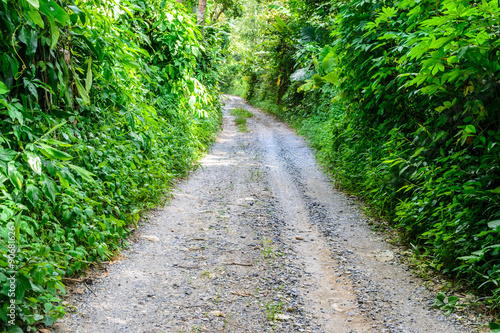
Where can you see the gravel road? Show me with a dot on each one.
(257, 240)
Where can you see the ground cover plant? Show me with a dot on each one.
(241, 118)
(401, 100)
(102, 105)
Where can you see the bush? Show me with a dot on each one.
(99, 113)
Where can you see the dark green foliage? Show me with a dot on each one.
(98, 114)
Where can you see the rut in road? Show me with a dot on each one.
(257, 240)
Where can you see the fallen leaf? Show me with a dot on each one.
(299, 238)
(150, 238)
(216, 313)
(78, 291)
(280, 316)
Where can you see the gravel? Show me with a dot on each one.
(257, 240)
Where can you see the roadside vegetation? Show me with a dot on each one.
(402, 102)
(102, 105)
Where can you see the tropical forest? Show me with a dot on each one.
(249, 166)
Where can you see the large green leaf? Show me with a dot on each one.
(7, 155)
(83, 93)
(87, 175)
(35, 162)
(34, 3)
(88, 80)
(51, 152)
(53, 11)
(36, 17)
(3, 88)
(17, 225)
(33, 193)
(16, 178)
(49, 189)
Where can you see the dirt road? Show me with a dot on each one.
(257, 240)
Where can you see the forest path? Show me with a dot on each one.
(257, 240)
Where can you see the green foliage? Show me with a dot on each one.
(241, 118)
(102, 105)
(444, 303)
(401, 100)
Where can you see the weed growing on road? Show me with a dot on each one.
(273, 309)
(241, 118)
(268, 249)
(444, 303)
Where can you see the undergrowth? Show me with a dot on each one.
(102, 105)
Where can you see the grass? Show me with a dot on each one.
(241, 118)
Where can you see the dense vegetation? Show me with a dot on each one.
(102, 105)
(401, 99)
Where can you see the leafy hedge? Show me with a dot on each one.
(402, 101)
(102, 105)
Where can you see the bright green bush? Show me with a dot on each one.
(102, 105)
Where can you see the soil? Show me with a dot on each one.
(258, 240)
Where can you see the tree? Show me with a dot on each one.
(202, 8)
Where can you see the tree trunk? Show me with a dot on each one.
(202, 8)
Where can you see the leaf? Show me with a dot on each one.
(494, 224)
(54, 153)
(15, 176)
(452, 300)
(33, 194)
(439, 300)
(3, 88)
(48, 321)
(49, 189)
(470, 129)
(301, 75)
(53, 129)
(280, 25)
(494, 326)
(68, 177)
(87, 175)
(17, 225)
(88, 80)
(332, 77)
(7, 155)
(35, 162)
(54, 34)
(100, 250)
(34, 3)
(318, 80)
(15, 114)
(83, 93)
(78, 12)
(36, 18)
(6, 214)
(54, 12)
(15, 329)
(496, 191)
(56, 142)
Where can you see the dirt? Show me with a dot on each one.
(257, 240)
